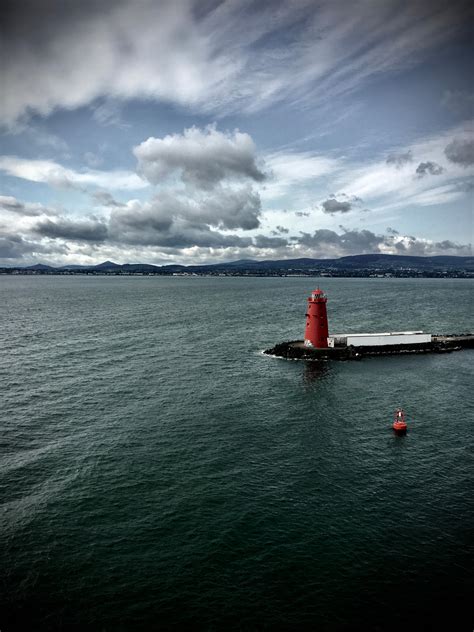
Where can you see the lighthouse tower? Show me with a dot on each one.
(317, 331)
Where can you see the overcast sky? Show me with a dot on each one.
(161, 132)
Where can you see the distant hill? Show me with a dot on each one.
(375, 261)
(380, 260)
(40, 266)
(353, 263)
(108, 265)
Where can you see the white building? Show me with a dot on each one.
(380, 339)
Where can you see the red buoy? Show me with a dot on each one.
(399, 424)
(317, 329)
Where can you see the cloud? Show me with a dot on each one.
(15, 246)
(11, 204)
(222, 56)
(203, 158)
(437, 195)
(448, 244)
(385, 188)
(347, 242)
(56, 175)
(139, 233)
(332, 205)
(93, 160)
(290, 169)
(104, 198)
(38, 134)
(177, 221)
(409, 245)
(429, 167)
(459, 102)
(400, 159)
(262, 241)
(461, 151)
(147, 228)
(328, 243)
(231, 208)
(170, 220)
(108, 114)
(77, 54)
(72, 230)
(466, 187)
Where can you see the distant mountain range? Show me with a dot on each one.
(372, 262)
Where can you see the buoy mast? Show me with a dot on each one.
(399, 423)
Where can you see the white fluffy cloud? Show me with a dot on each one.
(202, 158)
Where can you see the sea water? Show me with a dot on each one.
(158, 472)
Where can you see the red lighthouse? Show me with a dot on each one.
(317, 331)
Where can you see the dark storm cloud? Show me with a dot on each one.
(203, 158)
(400, 159)
(461, 152)
(429, 167)
(72, 230)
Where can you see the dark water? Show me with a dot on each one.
(158, 472)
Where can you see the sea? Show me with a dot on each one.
(158, 472)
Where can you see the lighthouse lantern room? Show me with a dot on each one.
(317, 330)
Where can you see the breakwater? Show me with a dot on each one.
(296, 350)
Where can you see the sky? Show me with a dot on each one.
(199, 132)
